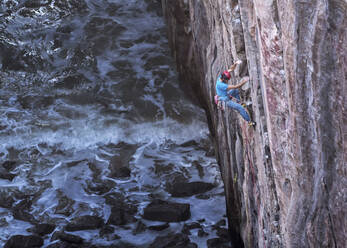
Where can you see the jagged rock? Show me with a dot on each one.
(220, 223)
(199, 168)
(218, 242)
(35, 102)
(159, 227)
(108, 232)
(119, 164)
(3, 222)
(99, 187)
(140, 227)
(84, 223)
(43, 229)
(167, 211)
(223, 233)
(6, 200)
(65, 206)
(6, 175)
(121, 216)
(161, 169)
(189, 226)
(121, 212)
(66, 237)
(21, 241)
(36, 3)
(183, 189)
(5, 169)
(172, 241)
(9, 165)
(21, 211)
(202, 233)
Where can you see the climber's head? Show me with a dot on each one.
(226, 76)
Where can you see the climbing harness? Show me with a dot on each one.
(220, 104)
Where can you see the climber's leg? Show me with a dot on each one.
(240, 109)
(234, 93)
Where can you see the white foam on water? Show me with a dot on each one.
(82, 135)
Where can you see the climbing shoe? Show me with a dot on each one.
(243, 105)
(251, 123)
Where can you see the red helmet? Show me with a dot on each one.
(226, 74)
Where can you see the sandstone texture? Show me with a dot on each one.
(285, 180)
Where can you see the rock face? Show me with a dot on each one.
(285, 180)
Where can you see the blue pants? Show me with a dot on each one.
(235, 105)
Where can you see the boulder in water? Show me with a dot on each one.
(177, 240)
(119, 164)
(218, 242)
(122, 212)
(159, 227)
(159, 210)
(69, 238)
(21, 241)
(43, 229)
(6, 175)
(86, 222)
(183, 189)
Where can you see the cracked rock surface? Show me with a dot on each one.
(285, 180)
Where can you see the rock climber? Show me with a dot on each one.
(229, 95)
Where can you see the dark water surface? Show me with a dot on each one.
(92, 117)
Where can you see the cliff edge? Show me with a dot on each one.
(285, 180)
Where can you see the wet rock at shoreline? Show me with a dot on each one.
(3, 222)
(200, 169)
(99, 187)
(162, 169)
(21, 241)
(108, 232)
(159, 210)
(140, 228)
(173, 241)
(86, 222)
(42, 229)
(9, 165)
(120, 216)
(4, 174)
(6, 200)
(189, 226)
(223, 233)
(159, 227)
(218, 242)
(65, 206)
(202, 233)
(119, 164)
(183, 189)
(21, 211)
(122, 212)
(67, 238)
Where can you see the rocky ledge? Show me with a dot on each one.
(285, 180)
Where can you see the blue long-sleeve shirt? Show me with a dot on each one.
(222, 89)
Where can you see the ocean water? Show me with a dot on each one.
(85, 83)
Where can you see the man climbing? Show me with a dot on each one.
(229, 94)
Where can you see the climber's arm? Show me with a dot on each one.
(243, 81)
(234, 65)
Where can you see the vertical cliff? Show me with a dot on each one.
(285, 180)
